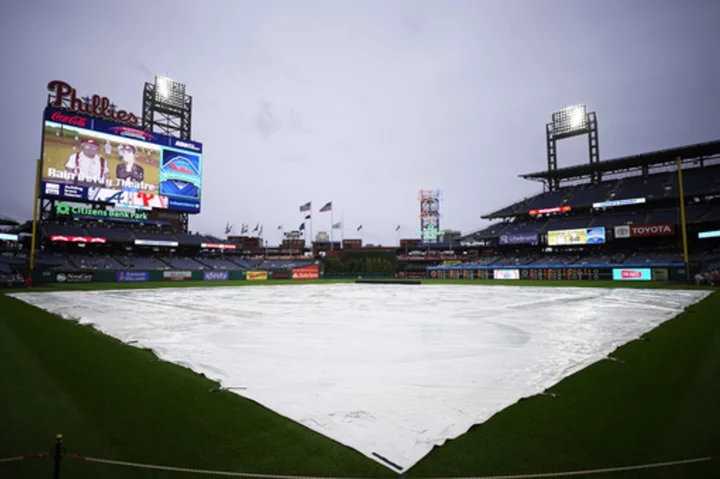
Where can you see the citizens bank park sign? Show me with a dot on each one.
(639, 231)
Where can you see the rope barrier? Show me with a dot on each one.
(157, 467)
(22, 458)
(588, 472)
(514, 476)
(190, 470)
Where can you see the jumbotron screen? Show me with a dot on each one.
(92, 160)
(576, 237)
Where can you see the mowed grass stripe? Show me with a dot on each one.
(117, 403)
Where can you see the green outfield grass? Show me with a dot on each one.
(115, 401)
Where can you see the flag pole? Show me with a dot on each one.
(342, 227)
(282, 231)
(331, 228)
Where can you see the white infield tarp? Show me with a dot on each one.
(391, 371)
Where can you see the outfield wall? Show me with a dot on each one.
(620, 273)
(633, 272)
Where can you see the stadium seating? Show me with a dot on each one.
(16, 259)
(64, 230)
(615, 258)
(641, 257)
(152, 236)
(712, 215)
(243, 264)
(531, 226)
(696, 181)
(93, 262)
(566, 223)
(111, 233)
(218, 263)
(143, 263)
(52, 261)
(188, 264)
(549, 199)
(516, 261)
(194, 239)
(551, 260)
(486, 261)
(283, 264)
(616, 219)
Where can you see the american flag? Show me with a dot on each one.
(327, 207)
(306, 207)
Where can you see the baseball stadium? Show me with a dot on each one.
(576, 334)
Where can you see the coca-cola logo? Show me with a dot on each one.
(65, 97)
(629, 274)
(73, 120)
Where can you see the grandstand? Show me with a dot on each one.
(639, 191)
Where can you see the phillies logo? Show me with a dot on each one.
(629, 274)
(132, 132)
(94, 106)
(69, 120)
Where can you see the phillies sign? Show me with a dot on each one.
(96, 105)
(632, 274)
(77, 239)
(638, 231)
(547, 211)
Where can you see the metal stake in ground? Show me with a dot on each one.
(57, 455)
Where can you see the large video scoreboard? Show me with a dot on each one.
(93, 160)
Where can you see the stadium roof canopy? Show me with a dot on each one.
(654, 158)
(5, 221)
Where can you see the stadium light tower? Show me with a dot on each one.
(568, 122)
(167, 108)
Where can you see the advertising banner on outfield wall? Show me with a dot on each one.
(73, 277)
(177, 275)
(506, 274)
(307, 272)
(216, 276)
(632, 274)
(133, 276)
(640, 231)
(520, 238)
(256, 275)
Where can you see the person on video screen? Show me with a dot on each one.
(129, 169)
(86, 164)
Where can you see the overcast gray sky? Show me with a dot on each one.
(366, 102)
